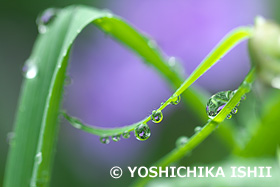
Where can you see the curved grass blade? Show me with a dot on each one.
(232, 39)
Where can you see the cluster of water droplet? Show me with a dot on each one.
(115, 138)
(218, 101)
(142, 131)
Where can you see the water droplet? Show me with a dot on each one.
(142, 132)
(68, 80)
(10, 137)
(176, 65)
(162, 103)
(38, 158)
(29, 70)
(217, 102)
(181, 141)
(157, 116)
(234, 110)
(197, 129)
(176, 100)
(275, 82)
(172, 61)
(126, 134)
(229, 116)
(116, 138)
(45, 18)
(77, 125)
(243, 98)
(104, 140)
(152, 43)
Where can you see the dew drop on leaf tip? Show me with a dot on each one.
(142, 132)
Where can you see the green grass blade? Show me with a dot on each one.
(232, 39)
(36, 124)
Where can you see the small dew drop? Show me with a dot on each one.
(126, 134)
(157, 116)
(45, 18)
(77, 125)
(116, 138)
(229, 116)
(152, 43)
(142, 132)
(68, 80)
(243, 98)
(104, 140)
(197, 129)
(10, 137)
(176, 100)
(29, 70)
(234, 110)
(38, 158)
(181, 141)
(172, 61)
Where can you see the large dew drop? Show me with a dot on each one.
(104, 140)
(157, 116)
(142, 132)
(218, 101)
(45, 18)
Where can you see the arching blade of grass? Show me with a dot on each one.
(232, 39)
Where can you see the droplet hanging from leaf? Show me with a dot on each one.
(176, 100)
(116, 138)
(142, 132)
(105, 140)
(126, 134)
(157, 116)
